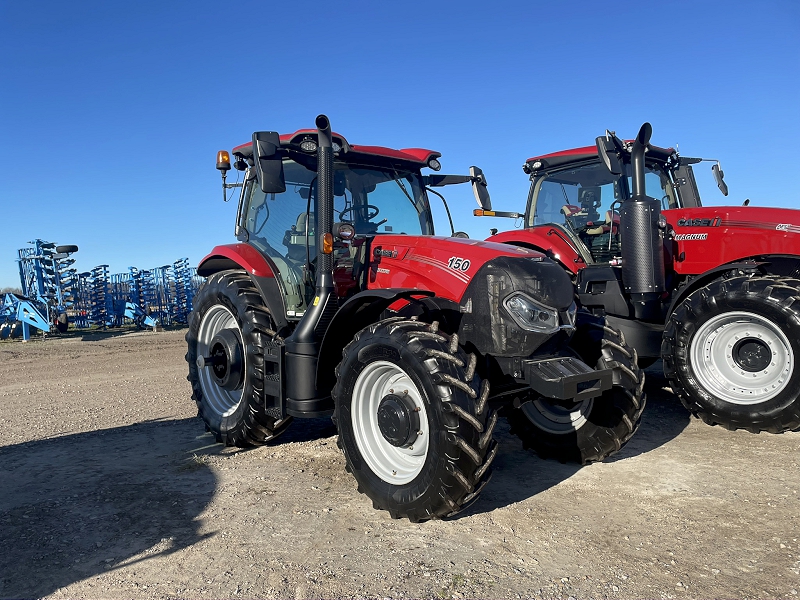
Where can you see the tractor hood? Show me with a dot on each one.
(714, 235)
(443, 265)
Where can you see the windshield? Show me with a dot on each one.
(580, 200)
(375, 200)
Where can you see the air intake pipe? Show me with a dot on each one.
(642, 238)
(324, 192)
(302, 347)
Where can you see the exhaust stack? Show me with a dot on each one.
(324, 193)
(642, 239)
(302, 347)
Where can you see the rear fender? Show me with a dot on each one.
(261, 270)
(359, 311)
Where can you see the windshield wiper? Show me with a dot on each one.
(403, 187)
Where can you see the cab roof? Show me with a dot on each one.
(556, 159)
(417, 156)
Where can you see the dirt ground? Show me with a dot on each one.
(109, 487)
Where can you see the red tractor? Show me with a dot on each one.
(714, 291)
(338, 300)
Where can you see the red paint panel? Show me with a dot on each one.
(536, 237)
(424, 263)
(577, 153)
(243, 255)
(585, 151)
(417, 155)
(743, 232)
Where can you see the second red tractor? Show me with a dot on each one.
(712, 290)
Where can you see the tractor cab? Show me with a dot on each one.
(575, 197)
(574, 193)
(376, 191)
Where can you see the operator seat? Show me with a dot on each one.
(611, 223)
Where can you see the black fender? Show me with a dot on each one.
(702, 280)
(359, 311)
(268, 286)
(782, 265)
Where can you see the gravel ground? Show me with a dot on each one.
(110, 488)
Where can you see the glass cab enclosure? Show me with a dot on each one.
(583, 200)
(375, 200)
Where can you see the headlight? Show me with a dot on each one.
(530, 315)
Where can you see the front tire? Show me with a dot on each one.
(731, 350)
(594, 429)
(413, 420)
(231, 325)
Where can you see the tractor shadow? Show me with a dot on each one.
(520, 474)
(76, 506)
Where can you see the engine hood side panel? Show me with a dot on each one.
(706, 237)
(445, 266)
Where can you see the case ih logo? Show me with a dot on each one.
(783, 226)
(389, 253)
(699, 222)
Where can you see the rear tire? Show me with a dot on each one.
(411, 364)
(731, 351)
(588, 431)
(229, 301)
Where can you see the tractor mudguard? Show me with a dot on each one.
(546, 239)
(261, 270)
(707, 277)
(359, 311)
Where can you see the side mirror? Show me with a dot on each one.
(608, 153)
(718, 175)
(268, 163)
(479, 188)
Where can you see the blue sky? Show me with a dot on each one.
(112, 113)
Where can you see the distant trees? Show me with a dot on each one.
(11, 290)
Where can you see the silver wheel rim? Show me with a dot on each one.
(394, 465)
(557, 419)
(221, 401)
(718, 371)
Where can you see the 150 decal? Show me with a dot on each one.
(458, 264)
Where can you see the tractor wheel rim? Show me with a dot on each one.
(393, 464)
(223, 402)
(555, 418)
(742, 358)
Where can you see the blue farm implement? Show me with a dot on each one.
(17, 315)
(47, 278)
(55, 294)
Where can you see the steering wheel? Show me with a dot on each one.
(370, 209)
